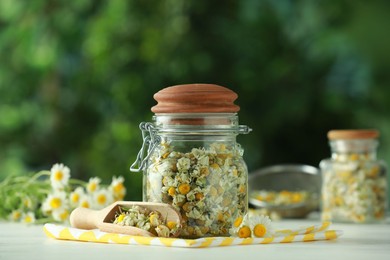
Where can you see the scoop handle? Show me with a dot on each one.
(85, 218)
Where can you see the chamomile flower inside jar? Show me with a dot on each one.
(354, 185)
(191, 160)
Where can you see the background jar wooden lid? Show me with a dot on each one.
(353, 134)
(195, 98)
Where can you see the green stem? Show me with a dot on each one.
(39, 174)
(77, 182)
(43, 220)
(35, 177)
(10, 180)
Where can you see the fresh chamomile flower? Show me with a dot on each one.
(252, 225)
(244, 232)
(117, 188)
(15, 215)
(55, 201)
(27, 202)
(61, 215)
(85, 202)
(261, 226)
(102, 198)
(76, 196)
(241, 227)
(93, 184)
(59, 176)
(28, 217)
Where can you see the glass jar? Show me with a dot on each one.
(193, 162)
(354, 187)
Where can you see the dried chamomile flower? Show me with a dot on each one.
(162, 231)
(283, 197)
(183, 164)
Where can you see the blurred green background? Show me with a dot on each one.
(77, 77)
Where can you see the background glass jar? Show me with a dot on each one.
(354, 185)
(195, 164)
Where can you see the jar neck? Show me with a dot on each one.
(354, 149)
(199, 124)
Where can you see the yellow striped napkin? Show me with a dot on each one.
(306, 234)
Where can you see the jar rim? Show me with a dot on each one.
(353, 134)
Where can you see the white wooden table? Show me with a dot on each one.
(369, 241)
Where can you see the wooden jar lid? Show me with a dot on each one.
(353, 134)
(195, 98)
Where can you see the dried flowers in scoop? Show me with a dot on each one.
(149, 220)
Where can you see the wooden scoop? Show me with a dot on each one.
(84, 218)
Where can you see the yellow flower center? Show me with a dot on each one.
(75, 197)
(296, 197)
(220, 217)
(242, 188)
(184, 188)
(214, 166)
(354, 157)
(64, 215)
(172, 191)
(199, 196)
(171, 224)
(244, 232)
(204, 171)
(154, 220)
(101, 199)
(213, 191)
(28, 219)
(58, 175)
(27, 202)
(118, 188)
(374, 172)
(16, 215)
(55, 203)
(121, 217)
(237, 222)
(84, 204)
(259, 230)
(92, 186)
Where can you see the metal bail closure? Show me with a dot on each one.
(244, 129)
(150, 142)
